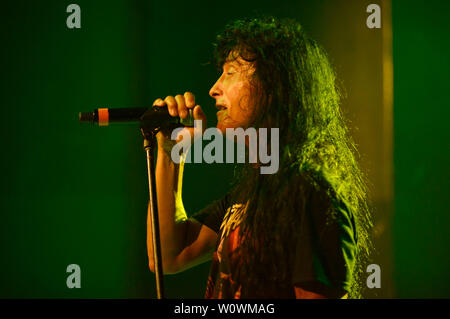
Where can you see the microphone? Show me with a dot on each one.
(154, 116)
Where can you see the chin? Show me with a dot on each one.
(222, 128)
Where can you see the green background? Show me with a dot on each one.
(74, 194)
(421, 148)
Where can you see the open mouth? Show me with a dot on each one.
(220, 107)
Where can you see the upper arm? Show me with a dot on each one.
(326, 246)
(199, 244)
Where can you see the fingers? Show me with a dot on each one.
(171, 105)
(178, 105)
(190, 99)
(182, 109)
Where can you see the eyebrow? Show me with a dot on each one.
(232, 63)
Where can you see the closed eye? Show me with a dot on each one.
(230, 70)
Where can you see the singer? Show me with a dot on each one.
(302, 232)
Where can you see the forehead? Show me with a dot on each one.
(235, 60)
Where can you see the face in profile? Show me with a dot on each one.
(232, 93)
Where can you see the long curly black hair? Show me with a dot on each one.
(296, 91)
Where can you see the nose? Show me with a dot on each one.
(216, 90)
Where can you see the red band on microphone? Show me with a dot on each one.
(103, 117)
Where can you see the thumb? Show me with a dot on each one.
(199, 115)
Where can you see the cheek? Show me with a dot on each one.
(240, 101)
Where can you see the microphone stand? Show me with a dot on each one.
(150, 125)
(151, 122)
(149, 143)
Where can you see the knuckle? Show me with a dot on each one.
(158, 101)
(190, 99)
(180, 101)
(173, 111)
(170, 101)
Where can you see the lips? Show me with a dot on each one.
(220, 107)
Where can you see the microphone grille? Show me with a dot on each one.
(86, 117)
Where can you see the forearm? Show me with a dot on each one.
(172, 216)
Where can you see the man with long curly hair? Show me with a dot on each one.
(302, 232)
